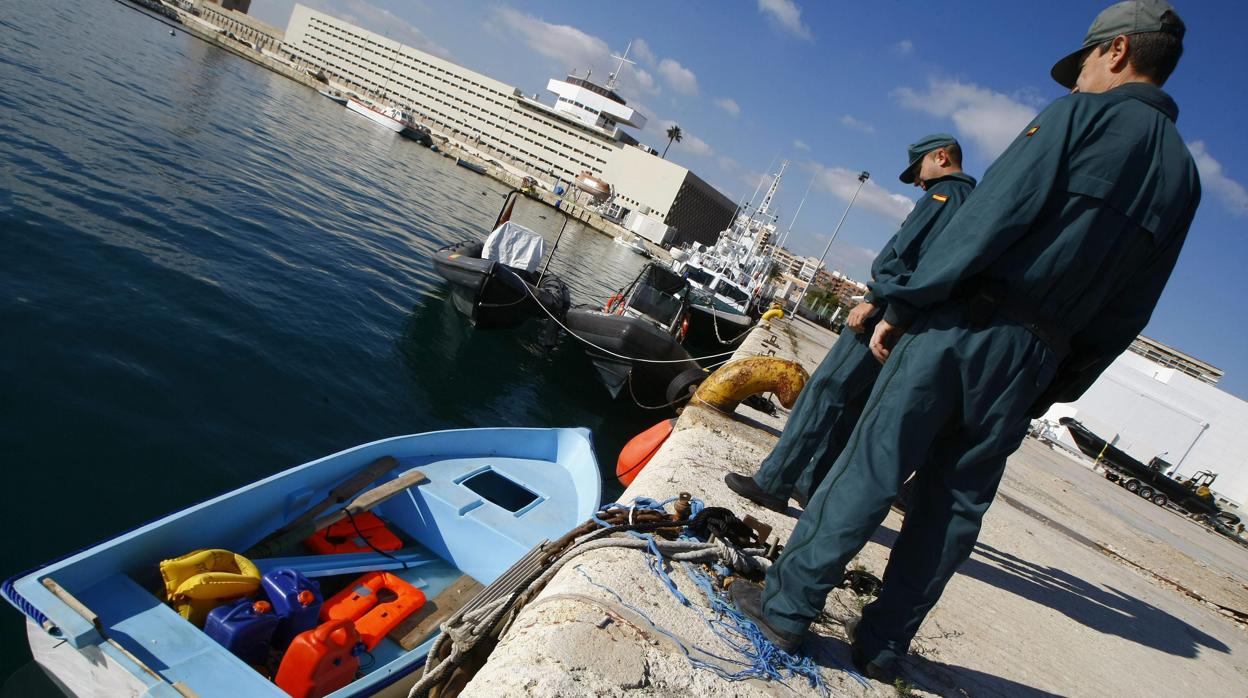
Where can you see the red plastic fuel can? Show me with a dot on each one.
(321, 660)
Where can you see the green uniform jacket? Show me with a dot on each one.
(1082, 217)
(930, 216)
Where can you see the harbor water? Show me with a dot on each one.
(209, 273)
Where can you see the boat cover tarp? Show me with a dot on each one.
(515, 245)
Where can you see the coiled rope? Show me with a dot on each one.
(466, 630)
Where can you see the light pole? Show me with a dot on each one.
(862, 179)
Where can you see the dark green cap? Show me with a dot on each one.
(921, 147)
(1121, 19)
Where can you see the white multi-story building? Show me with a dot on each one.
(581, 132)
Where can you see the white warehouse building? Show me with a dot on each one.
(582, 131)
(1156, 401)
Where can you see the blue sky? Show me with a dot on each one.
(839, 87)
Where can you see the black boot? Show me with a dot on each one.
(868, 669)
(748, 600)
(745, 486)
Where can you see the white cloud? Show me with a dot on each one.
(640, 79)
(689, 144)
(641, 49)
(678, 76)
(857, 125)
(364, 14)
(801, 145)
(990, 119)
(572, 47)
(1230, 193)
(788, 15)
(729, 105)
(728, 164)
(905, 47)
(693, 145)
(842, 184)
(851, 260)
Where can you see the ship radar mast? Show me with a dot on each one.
(771, 191)
(614, 78)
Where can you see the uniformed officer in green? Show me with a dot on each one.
(833, 398)
(1042, 278)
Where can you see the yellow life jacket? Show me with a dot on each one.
(199, 581)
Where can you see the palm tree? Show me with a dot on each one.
(673, 134)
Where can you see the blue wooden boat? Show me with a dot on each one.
(97, 626)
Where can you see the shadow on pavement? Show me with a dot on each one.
(1101, 608)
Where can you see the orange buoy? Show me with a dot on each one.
(640, 449)
(611, 303)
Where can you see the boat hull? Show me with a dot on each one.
(419, 135)
(716, 330)
(491, 294)
(633, 337)
(462, 517)
(375, 116)
(470, 165)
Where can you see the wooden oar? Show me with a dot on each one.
(337, 496)
(362, 503)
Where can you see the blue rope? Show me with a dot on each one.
(679, 643)
(765, 660)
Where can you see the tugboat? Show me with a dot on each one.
(643, 323)
(496, 283)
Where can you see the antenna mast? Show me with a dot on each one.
(614, 78)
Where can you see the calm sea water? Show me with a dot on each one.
(209, 273)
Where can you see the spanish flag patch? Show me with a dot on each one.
(1031, 131)
(942, 198)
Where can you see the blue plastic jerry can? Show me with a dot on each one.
(296, 601)
(245, 628)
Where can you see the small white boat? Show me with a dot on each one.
(392, 118)
(635, 244)
(335, 95)
(478, 502)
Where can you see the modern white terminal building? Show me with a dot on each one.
(580, 131)
(1157, 401)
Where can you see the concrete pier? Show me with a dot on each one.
(1075, 588)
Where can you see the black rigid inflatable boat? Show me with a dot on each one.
(493, 294)
(643, 323)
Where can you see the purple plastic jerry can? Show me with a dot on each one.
(245, 628)
(296, 601)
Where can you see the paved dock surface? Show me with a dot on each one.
(1075, 588)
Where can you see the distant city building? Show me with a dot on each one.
(795, 272)
(580, 132)
(1170, 357)
(840, 285)
(789, 264)
(235, 5)
(227, 16)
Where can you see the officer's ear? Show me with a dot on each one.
(1118, 49)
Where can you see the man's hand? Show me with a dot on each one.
(885, 338)
(857, 318)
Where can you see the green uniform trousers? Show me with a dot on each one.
(822, 418)
(950, 404)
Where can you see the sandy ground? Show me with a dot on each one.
(1076, 587)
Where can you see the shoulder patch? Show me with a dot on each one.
(1031, 131)
(942, 198)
